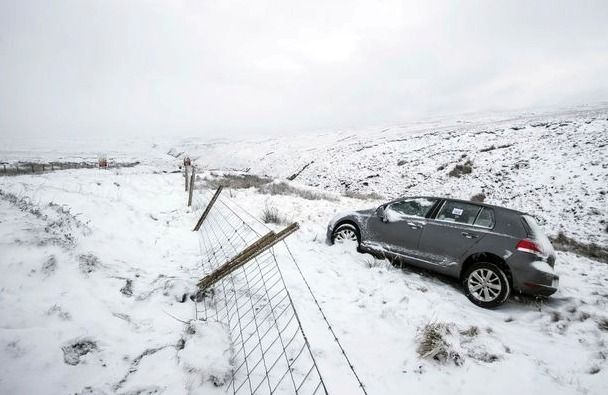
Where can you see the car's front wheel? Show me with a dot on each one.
(346, 232)
(486, 285)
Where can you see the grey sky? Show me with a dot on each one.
(233, 68)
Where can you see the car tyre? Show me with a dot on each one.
(346, 232)
(486, 285)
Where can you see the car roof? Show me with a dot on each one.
(462, 201)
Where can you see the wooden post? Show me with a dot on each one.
(52, 167)
(43, 167)
(191, 188)
(186, 177)
(32, 168)
(4, 166)
(208, 208)
(262, 244)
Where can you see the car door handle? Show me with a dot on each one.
(414, 226)
(469, 235)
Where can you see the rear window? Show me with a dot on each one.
(533, 229)
(458, 212)
(535, 232)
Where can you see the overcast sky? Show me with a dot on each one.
(234, 68)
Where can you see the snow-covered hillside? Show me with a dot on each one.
(94, 264)
(553, 165)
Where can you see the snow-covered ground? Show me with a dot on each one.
(94, 265)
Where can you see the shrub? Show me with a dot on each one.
(591, 250)
(363, 196)
(237, 181)
(461, 169)
(283, 188)
(480, 197)
(490, 148)
(271, 215)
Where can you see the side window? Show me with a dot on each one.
(485, 219)
(415, 207)
(462, 213)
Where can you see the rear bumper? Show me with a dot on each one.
(536, 278)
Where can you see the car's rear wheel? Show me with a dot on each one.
(346, 232)
(486, 285)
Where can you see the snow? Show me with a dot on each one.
(94, 265)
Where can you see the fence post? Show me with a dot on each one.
(4, 166)
(186, 177)
(32, 167)
(52, 167)
(208, 208)
(191, 188)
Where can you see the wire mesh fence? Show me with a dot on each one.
(271, 349)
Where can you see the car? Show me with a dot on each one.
(493, 251)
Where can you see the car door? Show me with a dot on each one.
(399, 228)
(455, 228)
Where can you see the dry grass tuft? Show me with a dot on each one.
(271, 215)
(433, 344)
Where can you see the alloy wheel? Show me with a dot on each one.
(345, 234)
(484, 284)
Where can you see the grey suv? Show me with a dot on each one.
(491, 250)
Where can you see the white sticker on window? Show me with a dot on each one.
(457, 211)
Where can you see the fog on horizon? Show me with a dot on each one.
(72, 68)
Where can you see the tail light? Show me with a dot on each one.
(530, 246)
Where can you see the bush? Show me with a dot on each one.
(363, 196)
(591, 250)
(461, 169)
(283, 188)
(237, 181)
(480, 197)
(271, 215)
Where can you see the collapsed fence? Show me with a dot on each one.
(243, 287)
